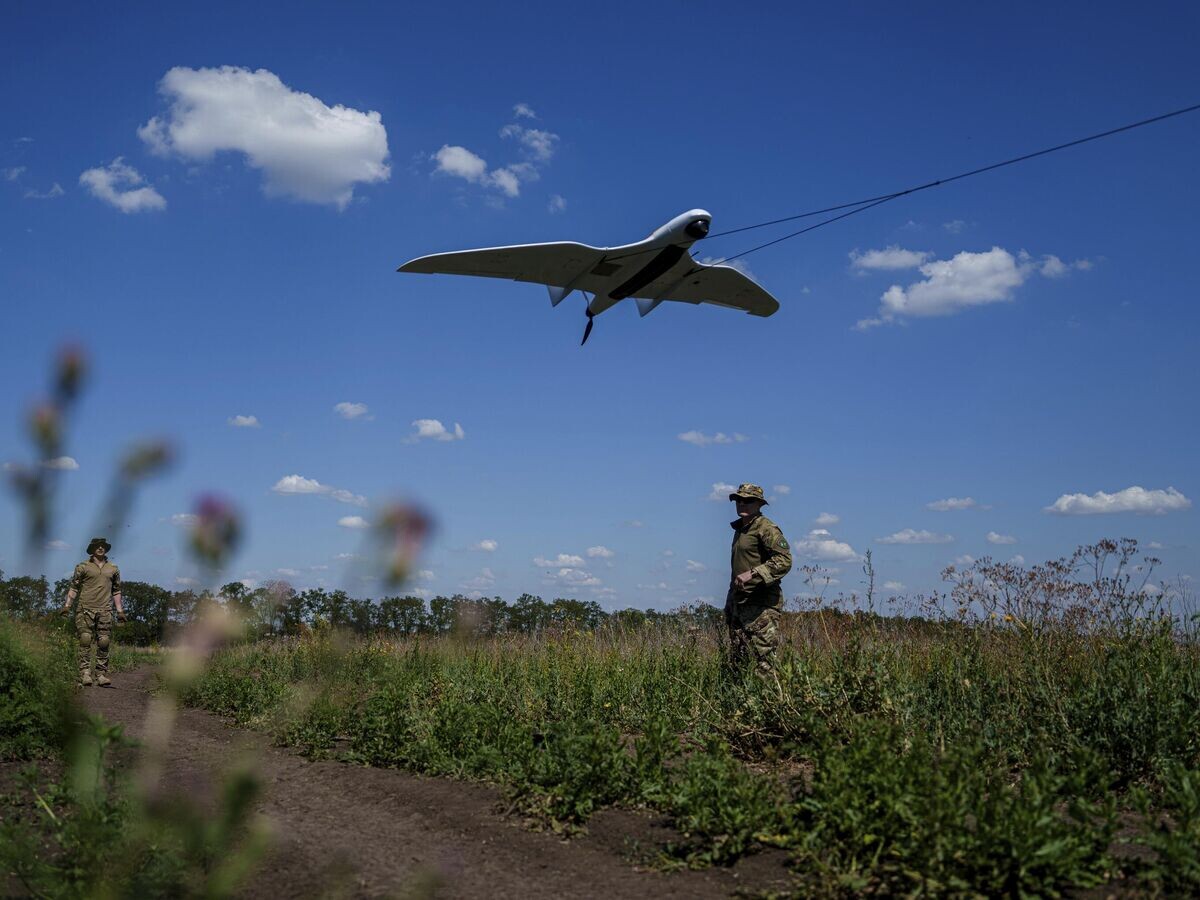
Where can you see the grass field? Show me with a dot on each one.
(990, 756)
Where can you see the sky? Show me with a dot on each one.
(212, 200)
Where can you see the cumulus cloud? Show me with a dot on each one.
(57, 545)
(305, 149)
(955, 226)
(487, 545)
(569, 560)
(887, 259)
(434, 430)
(573, 577)
(1132, 500)
(600, 552)
(952, 285)
(243, 421)
(1052, 267)
(122, 186)
(893, 585)
(721, 490)
(13, 173)
(912, 536)
(700, 439)
(1000, 539)
(298, 484)
(556, 204)
(348, 410)
(693, 566)
(825, 519)
(523, 111)
(951, 504)
(537, 144)
(820, 544)
(353, 522)
(460, 162)
(782, 489)
(62, 464)
(184, 520)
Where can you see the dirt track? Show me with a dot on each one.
(351, 831)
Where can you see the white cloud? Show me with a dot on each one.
(118, 185)
(1053, 267)
(964, 561)
(462, 163)
(184, 520)
(353, 522)
(1017, 560)
(487, 545)
(912, 536)
(693, 566)
(348, 410)
(538, 144)
(434, 430)
(298, 484)
(573, 577)
(62, 463)
(305, 149)
(820, 544)
(600, 553)
(57, 545)
(1133, 499)
(951, 504)
(425, 575)
(826, 518)
(955, 226)
(700, 439)
(56, 190)
(782, 489)
(721, 490)
(524, 111)
(288, 573)
(185, 582)
(244, 421)
(557, 203)
(893, 585)
(890, 258)
(569, 560)
(1001, 539)
(952, 285)
(13, 173)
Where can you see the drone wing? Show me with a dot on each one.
(721, 286)
(557, 264)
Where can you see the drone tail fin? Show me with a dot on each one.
(557, 294)
(646, 305)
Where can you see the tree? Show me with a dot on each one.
(147, 608)
(26, 597)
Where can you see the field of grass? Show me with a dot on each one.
(987, 756)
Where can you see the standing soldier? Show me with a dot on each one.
(760, 558)
(97, 582)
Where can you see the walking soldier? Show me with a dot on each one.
(760, 558)
(97, 583)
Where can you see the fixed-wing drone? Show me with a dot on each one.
(650, 271)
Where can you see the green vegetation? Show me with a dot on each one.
(71, 823)
(995, 750)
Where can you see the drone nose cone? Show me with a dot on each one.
(697, 229)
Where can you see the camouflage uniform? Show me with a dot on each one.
(752, 611)
(94, 583)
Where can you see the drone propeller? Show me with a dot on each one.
(587, 331)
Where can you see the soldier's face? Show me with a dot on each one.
(100, 552)
(747, 507)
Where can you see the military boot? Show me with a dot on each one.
(85, 679)
(102, 680)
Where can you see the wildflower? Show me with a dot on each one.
(1008, 618)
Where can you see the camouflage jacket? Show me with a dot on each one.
(95, 583)
(760, 547)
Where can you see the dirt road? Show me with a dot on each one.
(346, 830)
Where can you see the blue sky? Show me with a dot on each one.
(223, 243)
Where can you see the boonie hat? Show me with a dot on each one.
(749, 491)
(96, 542)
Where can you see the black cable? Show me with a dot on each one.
(870, 202)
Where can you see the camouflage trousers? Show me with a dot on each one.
(93, 626)
(753, 635)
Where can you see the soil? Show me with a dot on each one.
(349, 831)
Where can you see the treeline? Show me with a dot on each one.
(276, 609)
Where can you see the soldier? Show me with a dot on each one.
(760, 558)
(98, 584)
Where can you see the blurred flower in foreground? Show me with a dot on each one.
(69, 374)
(146, 459)
(215, 531)
(400, 533)
(46, 428)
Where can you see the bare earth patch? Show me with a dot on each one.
(362, 832)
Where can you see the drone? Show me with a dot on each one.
(649, 272)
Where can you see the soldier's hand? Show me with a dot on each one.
(743, 580)
(65, 611)
(121, 617)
